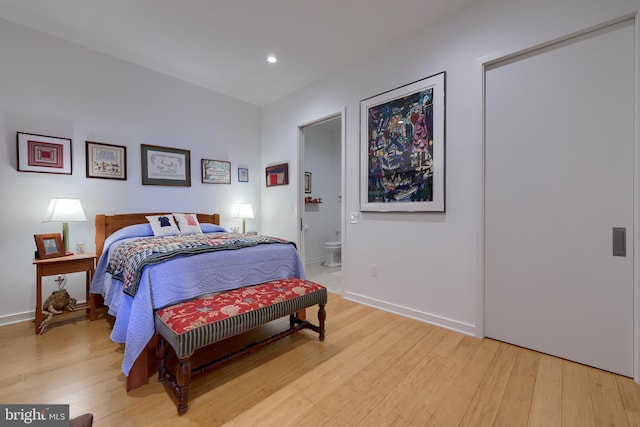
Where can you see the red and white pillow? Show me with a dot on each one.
(188, 223)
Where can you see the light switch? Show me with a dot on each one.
(355, 218)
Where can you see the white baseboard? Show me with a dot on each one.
(454, 325)
(17, 318)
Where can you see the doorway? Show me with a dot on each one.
(321, 207)
(559, 182)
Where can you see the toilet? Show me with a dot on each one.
(332, 252)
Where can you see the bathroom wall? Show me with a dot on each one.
(322, 159)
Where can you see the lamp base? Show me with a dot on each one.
(65, 238)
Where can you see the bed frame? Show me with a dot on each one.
(146, 364)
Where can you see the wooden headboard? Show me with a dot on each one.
(107, 224)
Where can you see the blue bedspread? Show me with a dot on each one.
(180, 279)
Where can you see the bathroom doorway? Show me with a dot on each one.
(321, 205)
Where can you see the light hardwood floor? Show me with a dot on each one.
(374, 369)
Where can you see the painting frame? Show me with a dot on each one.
(215, 171)
(105, 161)
(307, 182)
(44, 154)
(178, 171)
(402, 148)
(49, 245)
(277, 174)
(243, 174)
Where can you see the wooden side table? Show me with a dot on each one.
(64, 265)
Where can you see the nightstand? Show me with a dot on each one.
(64, 265)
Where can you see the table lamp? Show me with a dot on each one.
(65, 211)
(244, 211)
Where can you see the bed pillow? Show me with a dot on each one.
(163, 225)
(188, 223)
(211, 228)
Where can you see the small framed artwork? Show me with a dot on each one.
(165, 166)
(277, 175)
(216, 172)
(402, 148)
(49, 245)
(106, 160)
(307, 182)
(44, 154)
(243, 174)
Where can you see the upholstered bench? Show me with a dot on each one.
(194, 324)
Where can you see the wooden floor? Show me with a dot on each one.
(374, 369)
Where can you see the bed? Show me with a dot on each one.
(175, 279)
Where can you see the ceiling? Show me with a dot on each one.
(223, 45)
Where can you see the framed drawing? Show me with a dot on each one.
(243, 174)
(277, 175)
(402, 148)
(106, 160)
(49, 245)
(307, 182)
(45, 154)
(216, 172)
(165, 166)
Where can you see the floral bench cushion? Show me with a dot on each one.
(193, 324)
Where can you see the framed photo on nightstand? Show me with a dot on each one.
(49, 245)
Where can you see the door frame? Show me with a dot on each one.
(482, 65)
(339, 112)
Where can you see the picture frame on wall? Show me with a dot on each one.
(216, 171)
(307, 182)
(165, 166)
(106, 161)
(277, 174)
(243, 174)
(402, 148)
(44, 154)
(49, 245)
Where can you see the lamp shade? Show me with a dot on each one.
(64, 210)
(244, 211)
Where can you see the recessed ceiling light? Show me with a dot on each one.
(272, 59)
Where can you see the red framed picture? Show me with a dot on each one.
(44, 154)
(277, 175)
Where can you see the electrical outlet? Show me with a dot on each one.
(354, 217)
(374, 270)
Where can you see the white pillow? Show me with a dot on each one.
(188, 223)
(163, 225)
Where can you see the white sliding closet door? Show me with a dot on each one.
(559, 163)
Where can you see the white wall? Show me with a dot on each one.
(429, 264)
(322, 147)
(52, 87)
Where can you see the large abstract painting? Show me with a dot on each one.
(402, 148)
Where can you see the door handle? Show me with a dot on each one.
(619, 241)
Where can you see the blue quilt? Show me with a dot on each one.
(129, 258)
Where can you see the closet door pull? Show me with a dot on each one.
(619, 241)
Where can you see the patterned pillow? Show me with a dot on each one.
(188, 223)
(163, 225)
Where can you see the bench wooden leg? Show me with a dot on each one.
(182, 391)
(161, 351)
(322, 316)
